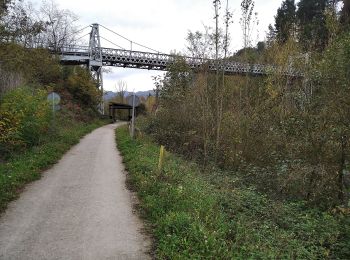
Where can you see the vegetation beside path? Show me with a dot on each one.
(32, 137)
(22, 168)
(213, 215)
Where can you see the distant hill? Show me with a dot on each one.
(142, 93)
(110, 94)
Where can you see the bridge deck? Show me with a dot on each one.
(159, 61)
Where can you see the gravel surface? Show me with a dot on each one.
(80, 209)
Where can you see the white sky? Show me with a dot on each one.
(161, 25)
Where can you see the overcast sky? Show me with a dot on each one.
(161, 25)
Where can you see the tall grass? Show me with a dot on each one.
(213, 215)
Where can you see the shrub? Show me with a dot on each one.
(83, 88)
(24, 118)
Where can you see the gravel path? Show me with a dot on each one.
(80, 209)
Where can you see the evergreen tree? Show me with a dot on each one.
(313, 33)
(270, 35)
(285, 21)
(3, 9)
(345, 13)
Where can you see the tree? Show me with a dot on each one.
(334, 69)
(21, 26)
(200, 44)
(217, 88)
(205, 89)
(60, 25)
(247, 22)
(345, 13)
(333, 22)
(121, 89)
(247, 8)
(220, 90)
(270, 35)
(150, 103)
(50, 26)
(158, 83)
(83, 88)
(176, 82)
(4, 6)
(285, 21)
(313, 32)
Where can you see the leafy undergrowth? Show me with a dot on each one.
(27, 166)
(196, 215)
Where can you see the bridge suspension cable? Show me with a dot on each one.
(112, 43)
(132, 42)
(82, 36)
(78, 31)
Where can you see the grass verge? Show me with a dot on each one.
(197, 215)
(25, 167)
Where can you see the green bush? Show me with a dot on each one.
(82, 88)
(24, 117)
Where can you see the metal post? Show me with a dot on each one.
(133, 117)
(53, 113)
(130, 53)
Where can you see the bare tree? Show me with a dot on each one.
(247, 8)
(59, 25)
(247, 22)
(4, 4)
(121, 89)
(217, 90)
(20, 25)
(200, 44)
(220, 92)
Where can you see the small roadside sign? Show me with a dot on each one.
(54, 100)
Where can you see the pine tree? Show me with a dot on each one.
(345, 13)
(285, 21)
(313, 33)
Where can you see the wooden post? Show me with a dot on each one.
(161, 158)
(133, 117)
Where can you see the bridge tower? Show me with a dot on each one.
(95, 60)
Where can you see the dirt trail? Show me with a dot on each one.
(80, 209)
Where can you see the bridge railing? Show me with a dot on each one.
(136, 54)
(195, 63)
(71, 50)
(161, 61)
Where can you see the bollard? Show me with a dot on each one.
(161, 158)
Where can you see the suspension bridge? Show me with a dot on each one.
(95, 57)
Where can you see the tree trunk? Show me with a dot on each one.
(341, 196)
(217, 90)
